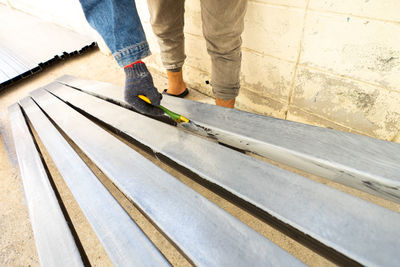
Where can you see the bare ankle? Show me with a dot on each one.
(225, 103)
(176, 85)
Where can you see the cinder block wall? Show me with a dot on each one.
(332, 63)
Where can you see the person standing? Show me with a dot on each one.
(118, 22)
(223, 24)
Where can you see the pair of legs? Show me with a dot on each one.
(119, 25)
(222, 22)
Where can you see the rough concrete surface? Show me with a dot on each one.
(344, 47)
(17, 247)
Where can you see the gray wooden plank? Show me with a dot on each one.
(30, 33)
(349, 225)
(32, 41)
(361, 162)
(9, 66)
(54, 242)
(206, 234)
(3, 76)
(13, 61)
(123, 240)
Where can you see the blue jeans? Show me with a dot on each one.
(118, 22)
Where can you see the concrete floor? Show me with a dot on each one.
(17, 247)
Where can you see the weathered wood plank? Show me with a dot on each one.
(348, 225)
(122, 239)
(54, 242)
(205, 233)
(361, 162)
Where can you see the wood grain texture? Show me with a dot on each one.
(348, 225)
(122, 239)
(360, 162)
(53, 238)
(206, 234)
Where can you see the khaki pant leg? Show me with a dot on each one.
(167, 20)
(223, 23)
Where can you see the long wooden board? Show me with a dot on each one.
(47, 43)
(205, 233)
(54, 241)
(122, 239)
(346, 224)
(361, 162)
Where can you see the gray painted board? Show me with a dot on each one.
(54, 242)
(10, 64)
(349, 225)
(205, 233)
(361, 162)
(123, 240)
(30, 42)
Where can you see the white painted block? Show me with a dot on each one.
(253, 102)
(193, 22)
(196, 78)
(196, 53)
(266, 75)
(292, 3)
(193, 5)
(368, 109)
(151, 38)
(143, 11)
(363, 49)
(379, 9)
(273, 30)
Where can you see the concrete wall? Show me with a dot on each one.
(332, 63)
(323, 62)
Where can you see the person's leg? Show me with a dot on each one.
(167, 20)
(223, 23)
(119, 24)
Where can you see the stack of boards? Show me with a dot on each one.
(28, 44)
(337, 225)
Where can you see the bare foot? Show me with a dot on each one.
(225, 103)
(176, 85)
